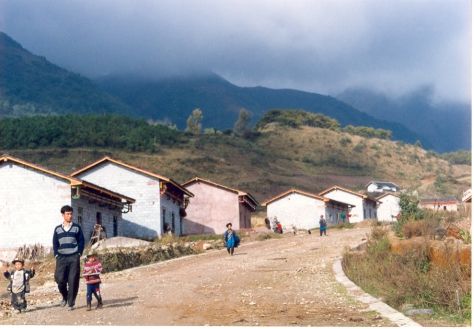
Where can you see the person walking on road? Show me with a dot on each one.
(91, 273)
(231, 239)
(322, 226)
(68, 245)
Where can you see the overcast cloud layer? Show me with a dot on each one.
(322, 46)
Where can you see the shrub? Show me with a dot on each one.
(344, 141)
(266, 236)
(131, 257)
(368, 132)
(410, 278)
(419, 228)
(359, 147)
(296, 118)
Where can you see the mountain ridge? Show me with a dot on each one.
(212, 93)
(31, 85)
(446, 123)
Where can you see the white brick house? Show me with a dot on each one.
(365, 206)
(380, 187)
(160, 201)
(389, 208)
(31, 198)
(303, 209)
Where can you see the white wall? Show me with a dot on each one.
(357, 213)
(297, 209)
(144, 221)
(389, 208)
(30, 204)
(373, 188)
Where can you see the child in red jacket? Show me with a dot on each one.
(91, 273)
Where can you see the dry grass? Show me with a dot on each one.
(281, 158)
(411, 278)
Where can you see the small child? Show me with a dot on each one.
(19, 284)
(91, 273)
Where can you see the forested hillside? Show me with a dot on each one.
(288, 150)
(174, 98)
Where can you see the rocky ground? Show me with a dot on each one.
(276, 282)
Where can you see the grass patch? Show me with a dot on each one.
(122, 259)
(410, 278)
(343, 225)
(266, 236)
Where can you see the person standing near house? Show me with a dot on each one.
(343, 217)
(68, 245)
(322, 226)
(231, 239)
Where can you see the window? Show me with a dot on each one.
(115, 226)
(98, 218)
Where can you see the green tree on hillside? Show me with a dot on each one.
(298, 118)
(85, 131)
(368, 132)
(241, 126)
(409, 209)
(193, 124)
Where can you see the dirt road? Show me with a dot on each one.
(287, 281)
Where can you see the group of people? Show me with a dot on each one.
(277, 227)
(68, 246)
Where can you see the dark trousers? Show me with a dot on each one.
(230, 251)
(19, 301)
(322, 230)
(67, 274)
(93, 289)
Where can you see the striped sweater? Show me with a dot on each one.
(67, 243)
(92, 271)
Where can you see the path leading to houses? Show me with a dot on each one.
(277, 282)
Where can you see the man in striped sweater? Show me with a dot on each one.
(68, 245)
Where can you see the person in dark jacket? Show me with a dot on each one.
(19, 284)
(322, 226)
(231, 239)
(68, 245)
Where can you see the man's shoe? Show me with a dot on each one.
(88, 307)
(63, 303)
(70, 308)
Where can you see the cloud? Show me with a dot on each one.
(321, 46)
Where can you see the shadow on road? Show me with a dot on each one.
(240, 254)
(118, 302)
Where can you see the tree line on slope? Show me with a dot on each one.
(115, 131)
(73, 130)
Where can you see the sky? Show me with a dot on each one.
(323, 46)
